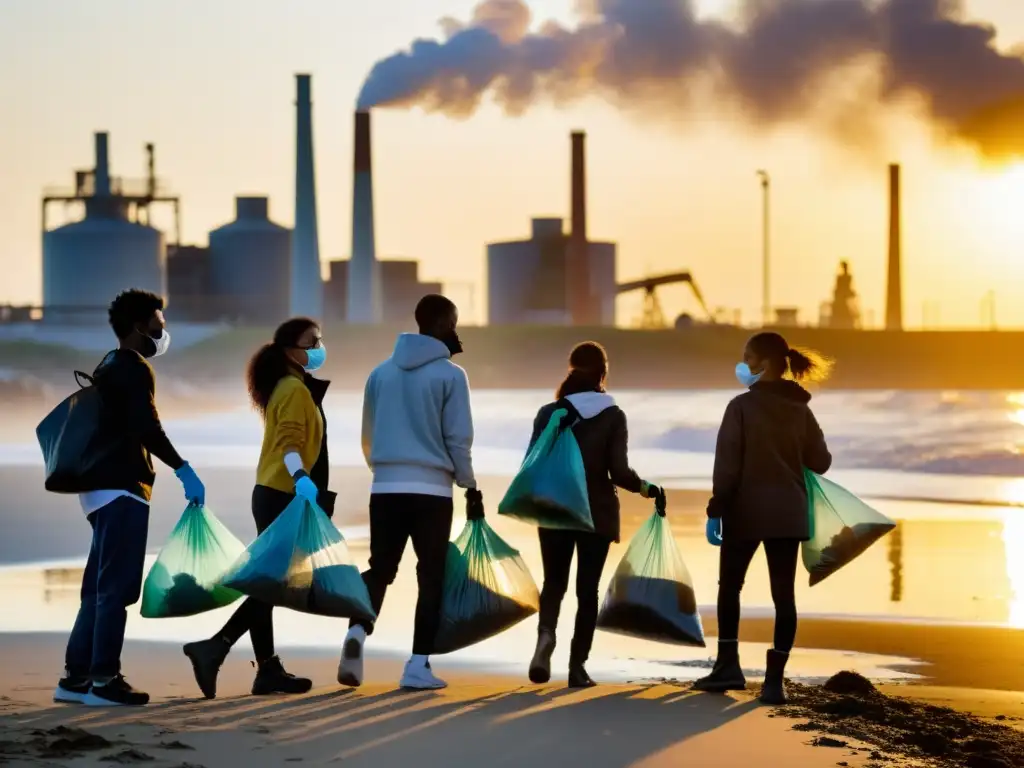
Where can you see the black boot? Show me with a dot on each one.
(578, 677)
(540, 667)
(207, 657)
(271, 678)
(727, 675)
(774, 690)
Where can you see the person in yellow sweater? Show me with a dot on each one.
(293, 462)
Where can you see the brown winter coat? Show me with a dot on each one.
(768, 435)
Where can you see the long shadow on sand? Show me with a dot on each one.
(467, 725)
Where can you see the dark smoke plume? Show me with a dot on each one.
(784, 61)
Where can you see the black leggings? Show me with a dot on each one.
(254, 616)
(732, 570)
(556, 548)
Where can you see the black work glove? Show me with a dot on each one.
(474, 504)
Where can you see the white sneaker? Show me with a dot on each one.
(418, 677)
(350, 668)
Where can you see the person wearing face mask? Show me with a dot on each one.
(417, 436)
(293, 462)
(768, 436)
(116, 502)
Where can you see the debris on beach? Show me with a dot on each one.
(848, 705)
(128, 757)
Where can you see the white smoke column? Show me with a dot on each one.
(776, 64)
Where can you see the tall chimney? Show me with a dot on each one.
(101, 178)
(307, 291)
(364, 290)
(578, 294)
(894, 286)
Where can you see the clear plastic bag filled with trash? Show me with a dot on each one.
(651, 593)
(186, 577)
(301, 561)
(487, 589)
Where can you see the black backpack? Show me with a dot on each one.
(69, 438)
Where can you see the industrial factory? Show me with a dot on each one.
(253, 271)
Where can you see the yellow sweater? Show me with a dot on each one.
(292, 422)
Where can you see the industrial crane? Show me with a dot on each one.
(653, 317)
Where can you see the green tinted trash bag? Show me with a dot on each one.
(301, 561)
(842, 527)
(651, 593)
(550, 489)
(487, 589)
(185, 579)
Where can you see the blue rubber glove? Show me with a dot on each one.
(713, 530)
(195, 491)
(306, 489)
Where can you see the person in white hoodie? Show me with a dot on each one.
(600, 431)
(417, 437)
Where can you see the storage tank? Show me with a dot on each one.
(250, 265)
(87, 263)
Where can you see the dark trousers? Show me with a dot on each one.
(254, 616)
(556, 548)
(732, 571)
(427, 520)
(112, 581)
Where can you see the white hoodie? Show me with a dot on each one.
(417, 421)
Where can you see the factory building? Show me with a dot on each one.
(87, 262)
(400, 288)
(528, 279)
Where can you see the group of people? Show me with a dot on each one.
(417, 435)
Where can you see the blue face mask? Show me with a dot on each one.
(745, 377)
(315, 358)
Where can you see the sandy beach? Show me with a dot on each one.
(643, 714)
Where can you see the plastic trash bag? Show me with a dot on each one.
(67, 437)
(301, 562)
(487, 589)
(651, 593)
(842, 527)
(550, 489)
(185, 579)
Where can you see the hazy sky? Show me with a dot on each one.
(211, 83)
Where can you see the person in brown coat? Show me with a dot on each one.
(600, 431)
(768, 436)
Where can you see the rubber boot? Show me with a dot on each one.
(271, 678)
(207, 657)
(726, 675)
(578, 677)
(774, 690)
(540, 666)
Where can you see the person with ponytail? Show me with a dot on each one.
(293, 462)
(768, 436)
(600, 431)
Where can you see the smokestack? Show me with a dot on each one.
(894, 286)
(307, 291)
(577, 276)
(101, 177)
(364, 293)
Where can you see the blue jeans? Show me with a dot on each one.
(112, 581)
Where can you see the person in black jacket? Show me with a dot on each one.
(768, 436)
(116, 503)
(602, 437)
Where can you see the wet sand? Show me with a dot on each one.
(480, 720)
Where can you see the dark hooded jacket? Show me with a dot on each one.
(603, 440)
(768, 436)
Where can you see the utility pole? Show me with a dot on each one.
(766, 194)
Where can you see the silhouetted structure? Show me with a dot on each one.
(306, 283)
(584, 306)
(843, 311)
(401, 289)
(894, 285)
(364, 305)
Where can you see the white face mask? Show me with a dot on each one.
(162, 343)
(745, 377)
